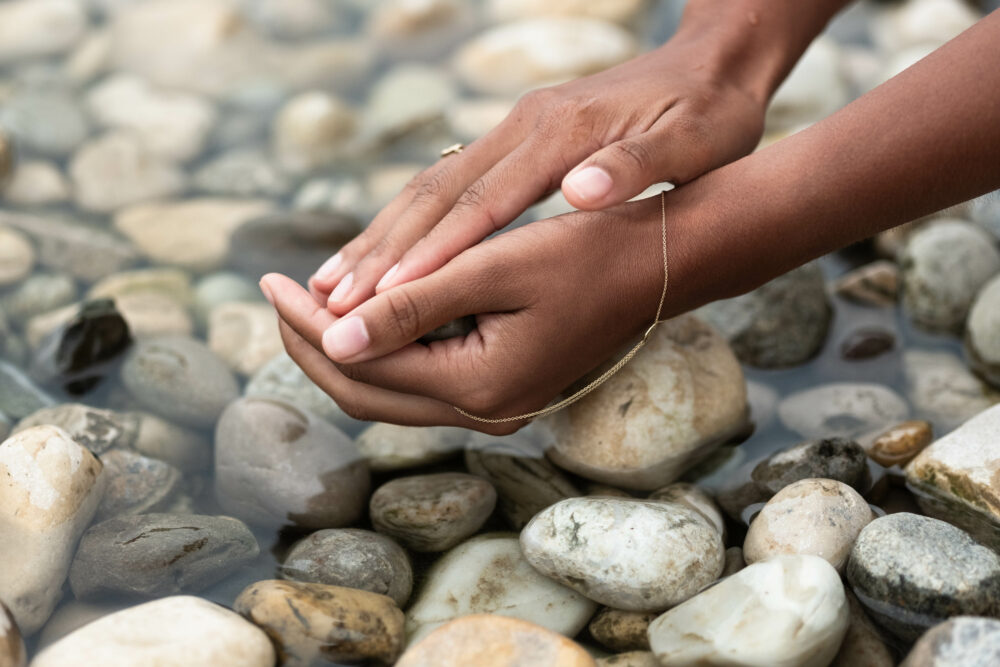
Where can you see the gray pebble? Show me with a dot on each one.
(962, 641)
(38, 294)
(136, 484)
(96, 429)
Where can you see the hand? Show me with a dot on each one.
(553, 300)
(669, 115)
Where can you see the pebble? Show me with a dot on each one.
(193, 234)
(17, 256)
(177, 631)
(619, 630)
(19, 396)
(90, 59)
(173, 283)
(842, 410)
(912, 571)
(630, 659)
(875, 284)
(815, 88)
(410, 26)
(620, 11)
(862, 645)
(488, 640)
(959, 641)
(819, 517)
(275, 465)
(679, 398)
(73, 615)
(52, 488)
(955, 478)
(390, 447)
(695, 498)
(96, 429)
(432, 512)
(48, 122)
(295, 19)
(179, 379)
(37, 294)
(790, 610)
(12, 651)
(222, 287)
(867, 343)
(345, 194)
(901, 443)
(36, 183)
(782, 323)
(405, 99)
(982, 333)
(941, 388)
(734, 561)
(281, 378)
(944, 265)
(39, 28)
(385, 182)
(517, 56)
(136, 484)
(633, 555)
(488, 574)
(525, 481)
(244, 335)
(153, 555)
(354, 558)
(242, 172)
(117, 170)
(919, 22)
(311, 131)
(474, 118)
(293, 243)
(187, 449)
(320, 624)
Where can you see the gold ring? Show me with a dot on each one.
(454, 149)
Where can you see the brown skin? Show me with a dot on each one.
(563, 295)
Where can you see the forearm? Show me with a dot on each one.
(923, 141)
(755, 43)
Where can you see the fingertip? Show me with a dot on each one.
(347, 338)
(327, 271)
(588, 185)
(387, 280)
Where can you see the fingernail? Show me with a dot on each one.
(343, 288)
(267, 292)
(328, 267)
(346, 338)
(387, 278)
(590, 184)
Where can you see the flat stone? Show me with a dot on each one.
(316, 623)
(680, 397)
(51, 489)
(941, 387)
(620, 630)
(955, 478)
(911, 572)
(180, 379)
(875, 284)
(47, 121)
(96, 429)
(221, 287)
(153, 555)
(176, 631)
(311, 130)
(488, 574)
(782, 323)
(276, 464)
(634, 555)
(867, 343)
(19, 396)
(796, 603)
(390, 447)
(37, 183)
(963, 640)
(244, 335)
(819, 517)
(12, 651)
(842, 410)
(37, 294)
(39, 28)
(488, 640)
(187, 449)
(353, 558)
(982, 341)
(242, 172)
(405, 99)
(17, 256)
(899, 444)
(862, 645)
(165, 281)
(432, 512)
(136, 484)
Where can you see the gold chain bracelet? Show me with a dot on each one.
(611, 371)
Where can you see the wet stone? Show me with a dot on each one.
(136, 484)
(901, 443)
(391, 447)
(867, 343)
(353, 558)
(187, 449)
(96, 429)
(37, 294)
(244, 335)
(619, 630)
(12, 651)
(316, 624)
(842, 409)
(911, 572)
(960, 641)
(875, 284)
(19, 396)
(152, 555)
(432, 512)
(941, 387)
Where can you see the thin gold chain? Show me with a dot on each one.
(611, 371)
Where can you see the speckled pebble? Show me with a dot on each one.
(962, 641)
(620, 630)
(901, 443)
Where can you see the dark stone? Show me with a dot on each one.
(867, 343)
(80, 353)
(153, 555)
(912, 572)
(961, 641)
(294, 243)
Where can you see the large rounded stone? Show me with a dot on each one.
(635, 555)
(963, 640)
(941, 387)
(681, 396)
(311, 129)
(176, 631)
(912, 571)
(391, 447)
(982, 333)
(787, 611)
(96, 429)
(275, 464)
(244, 335)
(39, 28)
(136, 484)
(354, 558)
(842, 409)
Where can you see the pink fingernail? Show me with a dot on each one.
(267, 292)
(346, 338)
(387, 278)
(343, 288)
(590, 184)
(328, 268)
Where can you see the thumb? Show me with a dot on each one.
(622, 170)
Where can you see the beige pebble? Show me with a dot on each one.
(621, 630)
(17, 256)
(630, 659)
(902, 442)
(875, 284)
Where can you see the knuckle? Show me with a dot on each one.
(404, 313)
(633, 154)
(434, 188)
(354, 408)
(475, 201)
